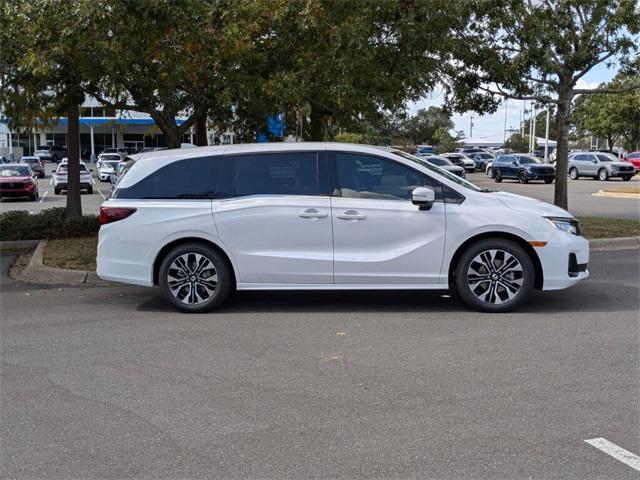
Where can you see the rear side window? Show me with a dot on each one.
(194, 178)
(277, 174)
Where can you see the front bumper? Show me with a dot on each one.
(564, 260)
(540, 176)
(622, 173)
(18, 192)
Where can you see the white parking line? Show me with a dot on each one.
(101, 194)
(616, 452)
(51, 181)
(42, 197)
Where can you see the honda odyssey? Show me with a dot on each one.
(201, 222)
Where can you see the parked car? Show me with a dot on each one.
(150, 149)
(51, 153)
(461, 160)
(425, 149)
(108, 166)
(602, 166)
(18, 180)
(488, 169)
(312, 216)
(60, 178)
(446, 164)
(634, 159)
(481, 159)
(522, 167)
(35, 163)
(121, 151)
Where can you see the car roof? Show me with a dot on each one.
(14, 164)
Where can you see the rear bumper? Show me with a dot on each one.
(63, 186)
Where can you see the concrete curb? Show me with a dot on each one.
(602, 193)
(13, 244)
(37, 272)
(612, 244)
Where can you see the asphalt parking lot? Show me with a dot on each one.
(581, 201)
(109, 382)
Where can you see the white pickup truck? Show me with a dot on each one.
(60, 178)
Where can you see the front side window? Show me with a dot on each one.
(604, 157)
(194, 178)
(528, 159)
(294, 173)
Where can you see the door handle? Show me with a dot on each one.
(312, 213)
(351, 215)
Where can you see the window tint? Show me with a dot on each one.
(364, 176)
(277, 174)
(194, 178)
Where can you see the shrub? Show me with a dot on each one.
(48, 224)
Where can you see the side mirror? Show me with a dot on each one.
(423, 197)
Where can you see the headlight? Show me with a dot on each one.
(569, 225)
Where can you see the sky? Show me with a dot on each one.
(489, 125)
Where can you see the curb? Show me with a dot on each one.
(603, 193)
(13, 244)
(612, 244)
(37, 272)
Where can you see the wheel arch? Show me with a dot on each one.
(537, 265)
(162, 253)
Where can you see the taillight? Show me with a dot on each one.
(113, 214)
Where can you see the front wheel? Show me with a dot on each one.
(548, 180)
(497, 176)
(495, 275)
(195, 278)
(490, 172)
(626, 178)
(603, 175)
(522, 177)
(573, 174)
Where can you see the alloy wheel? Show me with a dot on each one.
(192, 278)
(495, 276)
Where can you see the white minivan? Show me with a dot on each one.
(202, 222)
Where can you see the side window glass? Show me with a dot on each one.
(194, 178)
(277, 174)
(365, 176)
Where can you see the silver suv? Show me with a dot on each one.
(598, 165)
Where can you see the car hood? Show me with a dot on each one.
(619, 164)
(452, 168)
(14, 179)
(530, 205)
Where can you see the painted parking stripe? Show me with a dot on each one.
(44, 195)
(616, 452)
(101, 194)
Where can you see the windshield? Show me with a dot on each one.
(528, 159)
(441, 162)
(43, 148)
(606, 157)
(112, 165)
(15, 172)
(440, 171)
(29, 160)
(63, 168)
(111, 157)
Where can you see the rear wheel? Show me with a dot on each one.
(603, 175)
(195, 278)
(573, 173)
(57, 191)
(497, 176)
(522, 177)
(495, 275)
(490, 172)
(548, 180)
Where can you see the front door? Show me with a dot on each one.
(379, 236)
(277, 225)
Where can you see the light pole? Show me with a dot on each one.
(471, 127)
(546, 137)
(504, 140)
(533, 130)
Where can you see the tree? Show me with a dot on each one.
(46, 60)
(611, 116)
(539, 51)
(517, 143)
(345, 61)
(445, 142)
(168, 59)
(541, 123)
(424, 125)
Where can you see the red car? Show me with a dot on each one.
(634, 159)
(18, 180)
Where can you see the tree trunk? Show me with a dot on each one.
(562, 129)
(201, 131)
(74, 202)
(316, 125)
(173, 137)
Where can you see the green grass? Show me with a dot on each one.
(599, 227)
(73, 253)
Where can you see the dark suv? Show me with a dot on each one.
(53, 153)
(522, 167)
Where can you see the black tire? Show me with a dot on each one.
(548, 180)
(626, 178)
(220, 266)
(573, 173)
(522, 177)
(603, 175)
(527, 276)
(57, 191)
(90, 190)
(497, 176)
